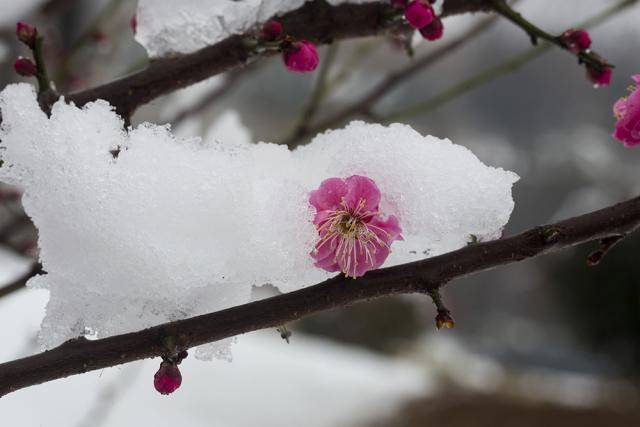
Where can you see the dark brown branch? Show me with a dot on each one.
(81, 355)
(316, 20)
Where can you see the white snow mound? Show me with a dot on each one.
(174, 228)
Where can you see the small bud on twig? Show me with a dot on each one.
(25, 67)
(26, 34)
(271, 31)
(444, 320)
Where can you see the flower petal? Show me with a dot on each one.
(362, 188)
(329, 195)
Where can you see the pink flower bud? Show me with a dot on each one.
(434, 30)
(271, 31)
(168, 378)
(576, 40)
(25, 67)
(419, 14)
(26, 34)
(599, 76)
(133, 23)
(301, 56)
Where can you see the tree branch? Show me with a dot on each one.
(316, 20)
(20, 282)
(489, 74)
(81, 355)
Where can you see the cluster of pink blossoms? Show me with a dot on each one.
(627, 111)
(298, 55)
(353, 236)
(421, 16)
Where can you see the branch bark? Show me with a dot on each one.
(81, 355)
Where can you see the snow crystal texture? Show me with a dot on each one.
(166, 27)
(173, 228)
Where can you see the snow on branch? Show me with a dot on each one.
(80, 355)
(176, 228)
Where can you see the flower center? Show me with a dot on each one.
(348, 225)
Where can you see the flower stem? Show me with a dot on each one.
(42, 76)
(535, 33)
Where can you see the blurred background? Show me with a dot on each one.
(548, 340)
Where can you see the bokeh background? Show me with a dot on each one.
(546, 341)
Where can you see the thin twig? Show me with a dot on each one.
(489, 74)
(318, 94)
(81, 355)
(365, 103)
(230, 82)
(20, 283)
(85, 37)
(535, 33)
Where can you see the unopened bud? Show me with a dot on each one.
(25, 67)
(26, 34)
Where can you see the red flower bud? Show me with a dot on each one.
(25, 67)
(271, 31)
(599, 76)
(26, 34)
(576, 40)
(168, 378)
(301, 57)
(419, 13)
(434, 30)
(444, 320)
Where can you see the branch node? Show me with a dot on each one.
(606, 244)
(550, 234)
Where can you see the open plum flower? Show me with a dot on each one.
(627, 111)
(354, 237)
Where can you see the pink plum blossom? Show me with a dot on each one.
(419, 13)
(301, 56)
(627, 111)
(354, 236)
